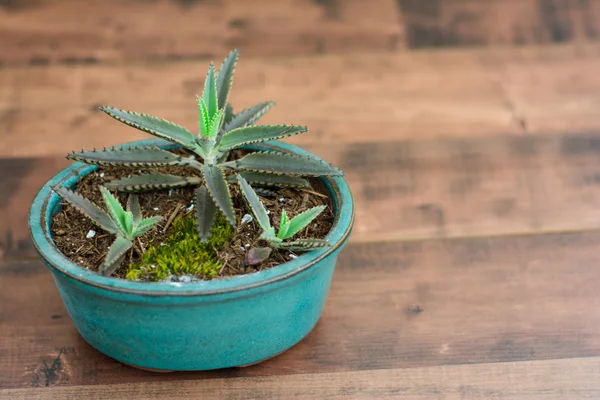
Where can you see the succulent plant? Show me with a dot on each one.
(287, 227)
(126, 225)
(220, 131)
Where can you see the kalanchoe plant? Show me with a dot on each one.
(126, 225)
(220, 131)
(287, 227)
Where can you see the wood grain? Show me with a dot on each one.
(552, 380)
(391, 305)
(349, 98)
(42, 32)
(446, 23)
(415, 189)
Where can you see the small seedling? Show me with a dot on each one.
(126, 225)
(287, 227)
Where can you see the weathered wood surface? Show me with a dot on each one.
(414, 189)
(514, 380)
(469, 132)
(40, 32)
(391, 305)
(349, 98)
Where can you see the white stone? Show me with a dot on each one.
(246, 219)
(91, 234)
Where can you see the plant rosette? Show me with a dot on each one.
(203, 324)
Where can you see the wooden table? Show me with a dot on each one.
(469, 132)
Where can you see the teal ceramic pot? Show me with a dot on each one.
(220, 323)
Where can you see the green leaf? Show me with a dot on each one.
(301, 220)
(225, 77)
(133, 206)
(258, 209)
(219, 191)
(283, 225)
(206, 211)
(248, 116)
(132, 157)
(128, 220)
(115, 210)
(209, 95)
(153, 125)
(115, 255)
(303, 244)
(146, 225)
(257, 134)
(257, 255)
(87, 208)
(228, 114)
(286, 164)
(146, 182)
(260, 179)
(215, 124)
(203, 117)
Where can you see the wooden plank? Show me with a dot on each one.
(416, 189)
(349, 98)
(551, 380)
(41, 32)
(443, 23)
(391, 305)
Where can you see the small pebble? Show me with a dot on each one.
(185, 278)
(293, 256)
(268, 212)
(155, 208)
(281, 200)
(102, 175)
(247, 245)
(242, 248)
(190, 208)
(170, 192)
(162, 244)
(91, 234)
(247, 218)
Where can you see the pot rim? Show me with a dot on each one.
(46, 200)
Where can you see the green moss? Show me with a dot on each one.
(182, 253)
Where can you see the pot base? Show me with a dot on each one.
(165, 371)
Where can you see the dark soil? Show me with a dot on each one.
(70, 228)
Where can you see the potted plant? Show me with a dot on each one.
(165, 251)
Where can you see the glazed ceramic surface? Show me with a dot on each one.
(193, 326)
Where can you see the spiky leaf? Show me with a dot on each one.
(304, 244)
(228, 114)
(257, 134)
(215, 124)
(258, 209)
(225, 77)
(203, 118)
(89, 209)
(115, 210)
(286, 164)
(300, 221)
(260, 179)
(257, 255)
(219, 191)
(209, 95)
(145, 182)
(146, 224)
(133, 206)
(206, 211)
(153, 125)
(145, 156)
(248, 116)
(283, 225)
(115, 255)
